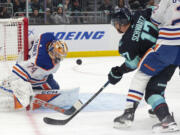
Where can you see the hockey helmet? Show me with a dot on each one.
(58, 50)
(122, 16)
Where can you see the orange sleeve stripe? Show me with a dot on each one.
(20, 72)
(34, 82)
(169, 34)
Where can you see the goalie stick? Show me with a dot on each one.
(65, 121)
(48, 105)
(69, 111)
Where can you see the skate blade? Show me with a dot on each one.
(119, 125)
(172, 129)
(152, 116)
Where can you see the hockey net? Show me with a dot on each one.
(13, 42)
(13, 39)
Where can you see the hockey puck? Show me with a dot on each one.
(79, 61)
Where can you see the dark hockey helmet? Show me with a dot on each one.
(122, 16)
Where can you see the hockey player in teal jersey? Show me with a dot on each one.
(139, 34)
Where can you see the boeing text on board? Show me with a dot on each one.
(80, 35)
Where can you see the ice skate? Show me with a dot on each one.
(151, 113)
(167, 125)
(126, 119)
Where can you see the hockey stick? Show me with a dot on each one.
(65, 121)
(69, 111)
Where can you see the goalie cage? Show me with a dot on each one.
(13, 39)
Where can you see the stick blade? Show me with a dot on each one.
(70, 111)
(54, 121)
(74, 108)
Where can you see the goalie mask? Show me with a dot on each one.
(57, 50)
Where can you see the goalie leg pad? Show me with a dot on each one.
(18, 88)
(6, 101)
(22, 90)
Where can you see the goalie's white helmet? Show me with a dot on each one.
(58, 50)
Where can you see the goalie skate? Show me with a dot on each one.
(167, 125)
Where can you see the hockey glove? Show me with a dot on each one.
(114, 75)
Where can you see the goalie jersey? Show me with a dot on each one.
(39, 66)
(166, 16)
(140, 36)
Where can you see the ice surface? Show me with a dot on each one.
(97, 118)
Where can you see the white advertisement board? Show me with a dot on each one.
(83, 37)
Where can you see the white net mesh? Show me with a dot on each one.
(12, 37)
(12, 45)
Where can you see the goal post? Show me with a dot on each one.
(13, 39)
